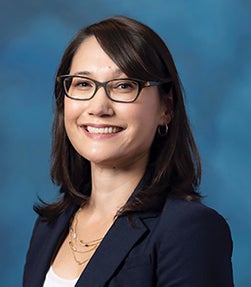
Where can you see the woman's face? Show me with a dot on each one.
(104, 132)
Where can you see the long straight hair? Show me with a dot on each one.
(174, 163)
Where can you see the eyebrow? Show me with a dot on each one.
(116, 73)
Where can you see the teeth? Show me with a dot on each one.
(106, 130)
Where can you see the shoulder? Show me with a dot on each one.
(195, 226)
(181, 212)
(43, 227)
(196, 241)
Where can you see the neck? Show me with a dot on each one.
(111, 187)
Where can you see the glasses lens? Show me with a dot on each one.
(79, 87)
(123, 90)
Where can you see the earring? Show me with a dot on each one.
(163, 130)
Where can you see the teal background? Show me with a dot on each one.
(210, 41)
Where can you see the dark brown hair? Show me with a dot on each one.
(174, 164)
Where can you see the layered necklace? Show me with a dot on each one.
(80, 247)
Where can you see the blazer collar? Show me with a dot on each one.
(113, 249)
(117, 243)
(115, 246)
(44, 243)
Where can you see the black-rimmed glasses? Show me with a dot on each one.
(125, 90)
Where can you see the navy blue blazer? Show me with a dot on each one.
(185, 245)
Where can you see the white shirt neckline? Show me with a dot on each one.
(53, 280)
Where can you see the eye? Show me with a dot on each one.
(124, 86)
(82, 83)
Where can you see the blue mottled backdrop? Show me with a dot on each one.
(211, 43)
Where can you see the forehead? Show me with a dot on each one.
(90, 58)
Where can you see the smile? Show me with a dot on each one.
(103, 130)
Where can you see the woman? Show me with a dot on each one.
(125, 159)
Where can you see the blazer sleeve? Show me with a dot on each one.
(195, 250)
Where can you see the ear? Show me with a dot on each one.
(166, 109)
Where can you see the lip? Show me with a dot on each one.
(101, 131)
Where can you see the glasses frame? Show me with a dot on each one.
(141, 84)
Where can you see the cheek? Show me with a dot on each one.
(71, 111)
(149, 115)
(71, 115)
(68, 115)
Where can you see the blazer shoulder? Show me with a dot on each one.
(179, 213)
(43, 230)
(184, 208)
(196, 241)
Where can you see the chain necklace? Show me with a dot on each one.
(79, 246)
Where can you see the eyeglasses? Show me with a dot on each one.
(124, 90)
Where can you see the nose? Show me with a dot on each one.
(100, 105)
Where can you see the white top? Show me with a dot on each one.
(53, 280)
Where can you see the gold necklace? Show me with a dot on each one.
(79, 246)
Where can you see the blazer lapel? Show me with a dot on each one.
(50, 238)
(113, 249)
